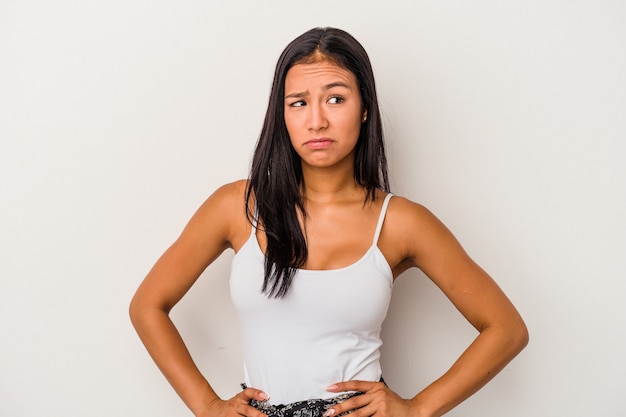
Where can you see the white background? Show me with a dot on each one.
(118, 118)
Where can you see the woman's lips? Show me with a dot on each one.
(318, 143)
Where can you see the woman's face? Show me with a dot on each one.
(323, 113)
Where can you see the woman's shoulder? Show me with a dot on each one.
(226, 203)
(410, 233)
(232, 193)
(408, 219)
(404, 209)
(222, 216)
(232, 189)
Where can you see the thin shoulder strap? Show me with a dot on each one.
(381, 218)
(255, 221)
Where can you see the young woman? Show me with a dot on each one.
(319, 240)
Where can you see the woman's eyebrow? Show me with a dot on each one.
(298, 95)
(324, 88)
(336, 84)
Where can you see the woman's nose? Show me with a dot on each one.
(317, 118)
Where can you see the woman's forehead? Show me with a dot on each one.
(318, 72)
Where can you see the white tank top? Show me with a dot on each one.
(326, 330)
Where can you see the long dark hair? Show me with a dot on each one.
(274, 188)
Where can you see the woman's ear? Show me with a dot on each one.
(364, 118)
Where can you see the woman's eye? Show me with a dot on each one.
(335, 100)
(298, 103)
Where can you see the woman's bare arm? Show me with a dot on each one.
(209, 232)
(413, 237)
(502, 332)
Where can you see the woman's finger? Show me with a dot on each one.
(377, 399)
(253, 394)
(353, 403)
(250, 411)
(360, 386)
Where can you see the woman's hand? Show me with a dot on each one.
(377, 399)
(237, 406)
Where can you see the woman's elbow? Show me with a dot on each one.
(134, 311)
(519, 335)
(138, 310)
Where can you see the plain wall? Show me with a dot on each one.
(507, 119)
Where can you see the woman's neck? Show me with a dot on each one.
(330, 184)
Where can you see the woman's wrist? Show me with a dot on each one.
(203, 407)
(204, 410)
(421, 408)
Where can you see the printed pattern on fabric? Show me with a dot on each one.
(308, 408)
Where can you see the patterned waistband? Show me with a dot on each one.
(308, 408)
